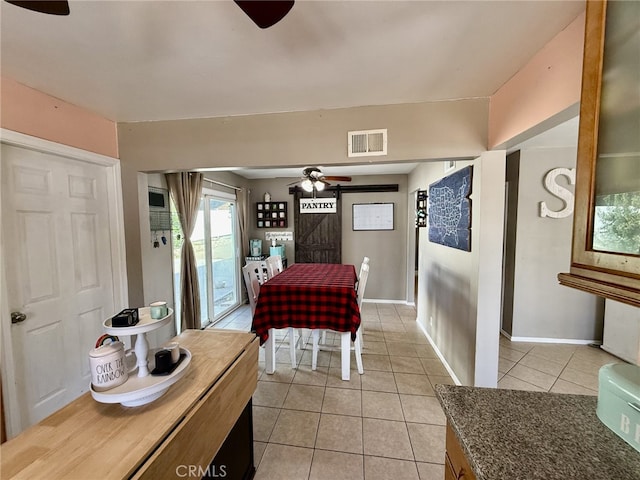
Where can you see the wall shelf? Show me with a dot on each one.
(271, 215)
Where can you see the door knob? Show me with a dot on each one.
(17, 317)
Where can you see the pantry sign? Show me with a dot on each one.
(318, 205)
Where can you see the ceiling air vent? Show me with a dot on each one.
(367, 143)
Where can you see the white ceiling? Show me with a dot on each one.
(148, 60)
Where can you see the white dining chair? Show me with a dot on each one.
(345, 352)
(253, 286)
(365, 261)
(362, 284)
(258, 269)
(274, 265)
(345, 337)
(250, 274)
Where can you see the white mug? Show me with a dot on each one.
(158, 310)
(174, 348)
(108, 366)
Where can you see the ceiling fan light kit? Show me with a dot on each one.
(314, 180)
(307, 185)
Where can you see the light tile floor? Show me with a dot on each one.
(387, 423)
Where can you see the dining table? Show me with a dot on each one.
(308, 295)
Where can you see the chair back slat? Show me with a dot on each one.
(274, 265)
(362, 282)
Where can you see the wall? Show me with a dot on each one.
(386, 249)
(621, 335)
(157, 262)
(279, 190)
(548, 86)
(34, 113)
(415, 132)
(510, 228)
(543, 248)
(458, 293)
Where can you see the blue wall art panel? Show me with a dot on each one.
(449, 212)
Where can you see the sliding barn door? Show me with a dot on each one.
(318, 235)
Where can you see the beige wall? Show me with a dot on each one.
(458, 292)
(386, 249)
(34, 113)
(415, 132)
(546, 87)
(542, 249)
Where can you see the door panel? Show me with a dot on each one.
(55, 216)
(318, 235)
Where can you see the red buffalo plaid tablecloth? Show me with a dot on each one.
(309, 295)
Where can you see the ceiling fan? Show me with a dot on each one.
(264, 13)
(313, 179)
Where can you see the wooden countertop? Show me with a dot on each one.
(88, 440)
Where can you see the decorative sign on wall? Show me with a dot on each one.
(318, 205)
(559, 191)
(449, 213)
(279, 236)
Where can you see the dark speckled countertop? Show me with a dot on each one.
(521, 435)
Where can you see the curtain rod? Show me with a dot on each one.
(220, 183)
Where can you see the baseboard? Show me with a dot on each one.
(379, 300)
(572, 341)
(439, 353)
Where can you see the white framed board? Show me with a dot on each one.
(373, 216)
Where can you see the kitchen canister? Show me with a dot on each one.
(108, 366)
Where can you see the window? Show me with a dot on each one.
(215, 244)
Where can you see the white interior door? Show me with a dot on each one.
(57, 250)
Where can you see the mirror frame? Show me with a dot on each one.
(611, 275)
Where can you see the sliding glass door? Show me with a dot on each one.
(215, 243)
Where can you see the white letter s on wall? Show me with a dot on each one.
(559, 191)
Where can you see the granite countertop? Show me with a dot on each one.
(522, 435)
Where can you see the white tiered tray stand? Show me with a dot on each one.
(141, 387)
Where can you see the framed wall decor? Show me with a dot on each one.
(373, 216)
(449, 165)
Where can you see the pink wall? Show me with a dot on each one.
(28, 111)
(549, 84)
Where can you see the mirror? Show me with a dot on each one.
(616, 216)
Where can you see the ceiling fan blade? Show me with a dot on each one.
(265, 13)
(337, 178)
(52, 7)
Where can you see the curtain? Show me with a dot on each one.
(186, 190)
(242, 200)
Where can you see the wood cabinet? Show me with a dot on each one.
(271, 215)
(606, 245)
(456, 465)
(180, 432)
